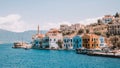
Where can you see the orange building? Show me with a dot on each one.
(90, 41)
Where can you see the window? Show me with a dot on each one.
(80, 45)
(71, 40)
(92, 45)
(88, 44)
(50, 39)
(68, 45)
(64, 40)
(83, 45)
(92, 39)
(80, 40)
(67, 40)
(54, 39)
(88, 39)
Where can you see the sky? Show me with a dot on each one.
(22, 15)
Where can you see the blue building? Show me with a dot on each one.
(102, 41)
(37, 43)
(45, 42)
(77, 42)
(37, 39)
(67, 41)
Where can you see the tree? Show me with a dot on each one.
(80, 31)
(107, 34)
(100, 22)
(59, 42)
(87, 30)
(116, 15)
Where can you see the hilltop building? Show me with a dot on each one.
(114, 29)
(71, 29)
(107, 19)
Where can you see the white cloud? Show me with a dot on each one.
(48, 25)
(89, 20)
(13, 22)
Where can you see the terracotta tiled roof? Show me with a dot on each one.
(39, 35)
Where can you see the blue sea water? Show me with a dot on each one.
(20, 58)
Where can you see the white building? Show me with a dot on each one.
(54, 36)
(68, 42)
(107, 19)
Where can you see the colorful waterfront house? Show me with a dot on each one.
(55, 38)
(90, 41)
(102, 41)
(77, 42)
(37, 39)
(68, 42)
(45, 42)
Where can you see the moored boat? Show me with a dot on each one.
(81, 50)
(21, 45)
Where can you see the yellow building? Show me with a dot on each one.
(90, 41)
